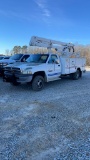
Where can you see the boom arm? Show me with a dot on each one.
(43, 42)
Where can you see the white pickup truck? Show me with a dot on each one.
(41, 68)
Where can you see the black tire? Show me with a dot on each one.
(76, 75)
(80, 74)
(2, 73)
(71, 76)
(38, 83)
(14, 83)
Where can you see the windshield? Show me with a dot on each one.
(16, 57)
(38, 58)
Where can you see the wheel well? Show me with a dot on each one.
(79, 69)
(40, 73)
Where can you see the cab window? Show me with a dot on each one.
(52, 59)
(24, 58)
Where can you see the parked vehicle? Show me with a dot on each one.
(15, 58)
(48, 67)
(1, 57)
(4, 57)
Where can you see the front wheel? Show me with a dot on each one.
(13, 81)
(38, 83)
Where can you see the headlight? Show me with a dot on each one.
(4, 64)
(26, 72)
(29, 72)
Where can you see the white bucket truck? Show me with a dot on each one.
(41, 68)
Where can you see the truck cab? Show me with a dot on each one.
(45, 65)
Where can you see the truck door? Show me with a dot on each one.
(53, 68)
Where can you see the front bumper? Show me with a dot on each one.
(21, 78)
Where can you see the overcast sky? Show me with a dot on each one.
(64, 20)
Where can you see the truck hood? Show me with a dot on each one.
(24, 65)
(7, 61)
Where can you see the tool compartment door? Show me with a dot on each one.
(72, 65)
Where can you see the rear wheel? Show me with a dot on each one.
(76, 75)
(38, 83)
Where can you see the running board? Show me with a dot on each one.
(54, 79)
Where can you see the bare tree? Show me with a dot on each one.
(84, 51)
(7, 52)
(24, 49)
(17, 49)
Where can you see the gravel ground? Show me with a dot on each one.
(53, 124)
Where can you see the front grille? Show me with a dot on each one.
(12, 69)
(1, 65)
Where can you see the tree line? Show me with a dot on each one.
(84, 50)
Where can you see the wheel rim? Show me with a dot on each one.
(40, 83)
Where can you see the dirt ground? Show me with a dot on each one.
(53, 124)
